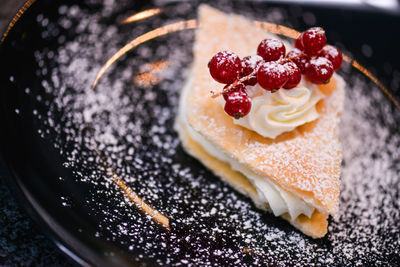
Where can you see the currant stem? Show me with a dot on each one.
(287, 59)
(241, 80)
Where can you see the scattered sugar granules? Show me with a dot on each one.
(126, 124)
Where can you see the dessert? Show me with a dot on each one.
(271, 131)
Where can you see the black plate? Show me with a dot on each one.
(73, 152)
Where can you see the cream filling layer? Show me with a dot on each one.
(279, 200)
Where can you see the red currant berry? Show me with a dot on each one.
(238, 104)
(238, 87)
(333, 54)
(298, 43)
(272, 75)
(299, 58)
(294, 75)
(319, 70)
(225, 67)
(313, 40)
(249, 64)
(271, 49)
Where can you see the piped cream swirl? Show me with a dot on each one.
(272, 114)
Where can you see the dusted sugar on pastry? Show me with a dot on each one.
(269, 127)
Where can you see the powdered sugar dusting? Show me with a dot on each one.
(227, 55)
(128, 126)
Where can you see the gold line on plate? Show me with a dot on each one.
(142, 15)
(139, 202)
(17, 16)
(132, 195)
(174, 27)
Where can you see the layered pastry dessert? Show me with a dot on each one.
(263, 116)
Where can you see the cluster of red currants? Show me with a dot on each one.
(272, 69)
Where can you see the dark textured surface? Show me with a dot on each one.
(61, 125)
(21, 242)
